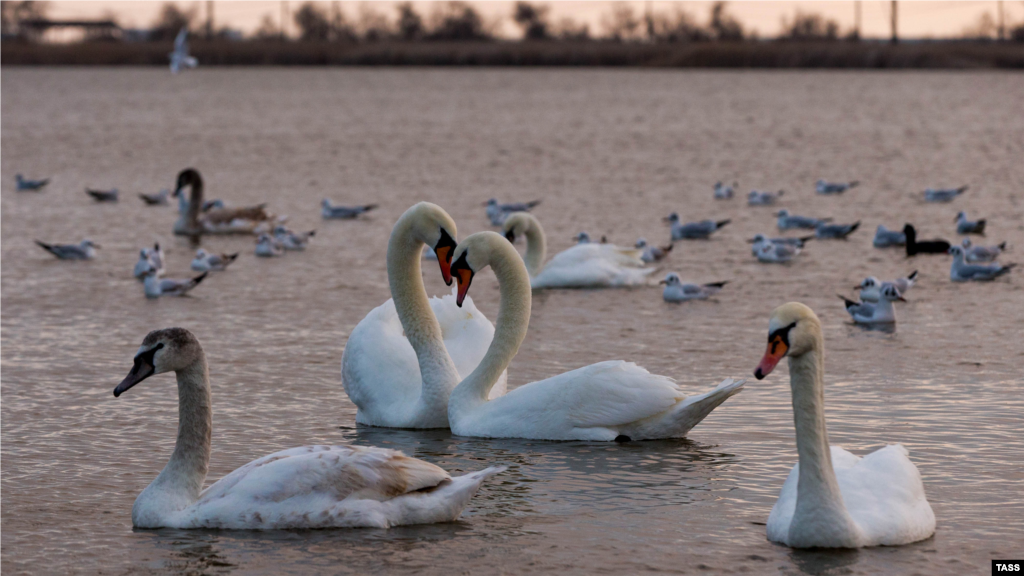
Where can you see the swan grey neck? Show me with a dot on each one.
(437, 370)
(820, 512)
(195, 203)
(536, 246)
(181, 481)
(510, 327)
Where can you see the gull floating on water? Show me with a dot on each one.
(768, 251)
(824, 187)
(330, 211)
(723, 192)
(981, 253)
(960, 271)
(943, 194)
(84, 250)
(155, 287)
(965, 226)
(787, 221)
(652, 253)
(180, 57)
(149, 258)
(870, 287)
(881, 312)
(205, 261)
(693, 230)
(758, 198)
(676, 291)
(885, 237)
(839, 231)
(291, 240)
(29, 185)
(758, 239)
(268, 246)
(584, 238)
(498, 213)
(158, 199)
(102, 195)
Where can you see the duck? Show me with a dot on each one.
(914, 247)
(836, 231)
(103, 195)
(158, 199)
(961, 271)
(701, 230)
(787, 221)
(823, 187)
(23, 185)
(885, 238)
(497, 212)
(723, 192)
(651, 254)
(149, 258)
(604, 402)
(881, 311)
(832, 498)
(759, 198)
(298, 488)
(193, 221)
(154, 286)
(403, 359)
(981, 253)
(331, 212)
(965, 226)
(585, 265)
(206, 262)
(943, 194)
(676, 291)
(268, 246)
(84, 250)
(292, 240)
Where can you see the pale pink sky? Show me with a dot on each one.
(916, 18)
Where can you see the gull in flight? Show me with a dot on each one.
(180, 58)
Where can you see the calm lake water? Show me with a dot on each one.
(608, 151)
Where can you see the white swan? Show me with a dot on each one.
(406, 356)
(586, 265)
(604, 401)
(307, 487)
(833, 499)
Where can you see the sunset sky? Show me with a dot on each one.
(916, 19)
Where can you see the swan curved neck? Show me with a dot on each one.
(195, 203)
(510, 329)
(536, 247)
(421, 327)
(186, 470)
(818, 493)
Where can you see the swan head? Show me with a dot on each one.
(516, 225)
(472, 255)
(793, 330)
(187, 177)
(167, 350)
(671, 280)
(435, 228)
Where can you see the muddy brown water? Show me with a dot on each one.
(608, 151)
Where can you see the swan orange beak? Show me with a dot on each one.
(444, 248)
(464, 277)
(777, 349)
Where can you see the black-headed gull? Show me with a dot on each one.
(206, 262)
(838, 231)
(771, 252)
(155, 287)
(102, 195)
(497, 212)
(885, 237)
(180, 57)
(871, 286)
(292, 240)
(723, 192)
(881, 312)
(267, 246)
(331, 212)
(823, 187)
(759, 198)
(974, 253)
(943, 194)
(961, 271)
(29, 185)
(701, 230)
(652, 253)
(915, 247)
(965, 226)
(758, 239)
(149, 258)
(676, 291)
(787, 221)
(158, 199)
(84, 250)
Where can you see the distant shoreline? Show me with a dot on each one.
(746, 54)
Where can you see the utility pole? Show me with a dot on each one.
(209, 19)
(856, 18)
(284, 19)
(895, 38)
(1002, 22)
(649, 20)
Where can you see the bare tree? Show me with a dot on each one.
(457, 21)
(410, 23)
(373, 26)
(15, 13)
(533, 19)
(171, 20)
(571, 30)
(809, 27)
(314, 26)
(723, 25)
(678, 27)
(622, 23)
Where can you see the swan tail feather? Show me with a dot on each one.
(689, 412)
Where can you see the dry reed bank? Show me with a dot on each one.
(769, 54)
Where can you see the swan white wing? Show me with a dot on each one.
(593, 265)
(614, 393)
(882, 492)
